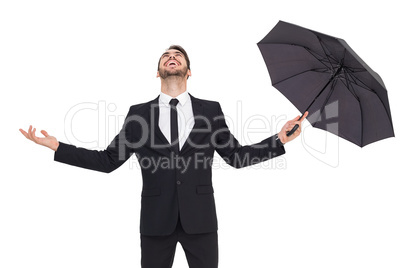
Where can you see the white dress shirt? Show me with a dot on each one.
(185, 116)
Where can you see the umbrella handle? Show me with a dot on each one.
(290, 133)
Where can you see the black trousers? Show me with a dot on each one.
(201, 249)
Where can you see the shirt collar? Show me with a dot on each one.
(183, 98)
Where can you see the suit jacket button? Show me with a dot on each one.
(178, 182)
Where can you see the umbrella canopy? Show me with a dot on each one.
(323, 75)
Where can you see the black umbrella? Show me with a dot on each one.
(323, 75)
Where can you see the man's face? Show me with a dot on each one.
(173, 63)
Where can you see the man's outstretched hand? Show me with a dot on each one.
(288, 127)
(48, 141)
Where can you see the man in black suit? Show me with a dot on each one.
(174, 138)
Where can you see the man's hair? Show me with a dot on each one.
(179, 48)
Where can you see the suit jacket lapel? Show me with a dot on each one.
(156, 132)
(198, 111)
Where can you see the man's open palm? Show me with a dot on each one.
(48, 141)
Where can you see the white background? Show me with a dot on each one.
(326, 203)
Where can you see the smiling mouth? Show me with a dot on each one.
(172, 63)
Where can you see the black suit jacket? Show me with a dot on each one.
(173, 184)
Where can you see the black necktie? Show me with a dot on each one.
(174, 126)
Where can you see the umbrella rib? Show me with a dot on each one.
(327, 98)
(311, 70)
(316, 55)
(356, 70)
(326, 55)
(325, 86)
(350, 88)
(360, 104)
(347, 86)
(321, 59)
(364, 86)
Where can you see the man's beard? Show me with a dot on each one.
(175, 72)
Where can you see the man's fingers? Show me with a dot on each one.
(44, 133)
(24, 133)
(304, 116)
(34, 138)
(292, 123)
(294, 119)
(30, 133)
(33, 134)
(297, 119)
(290, 126)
